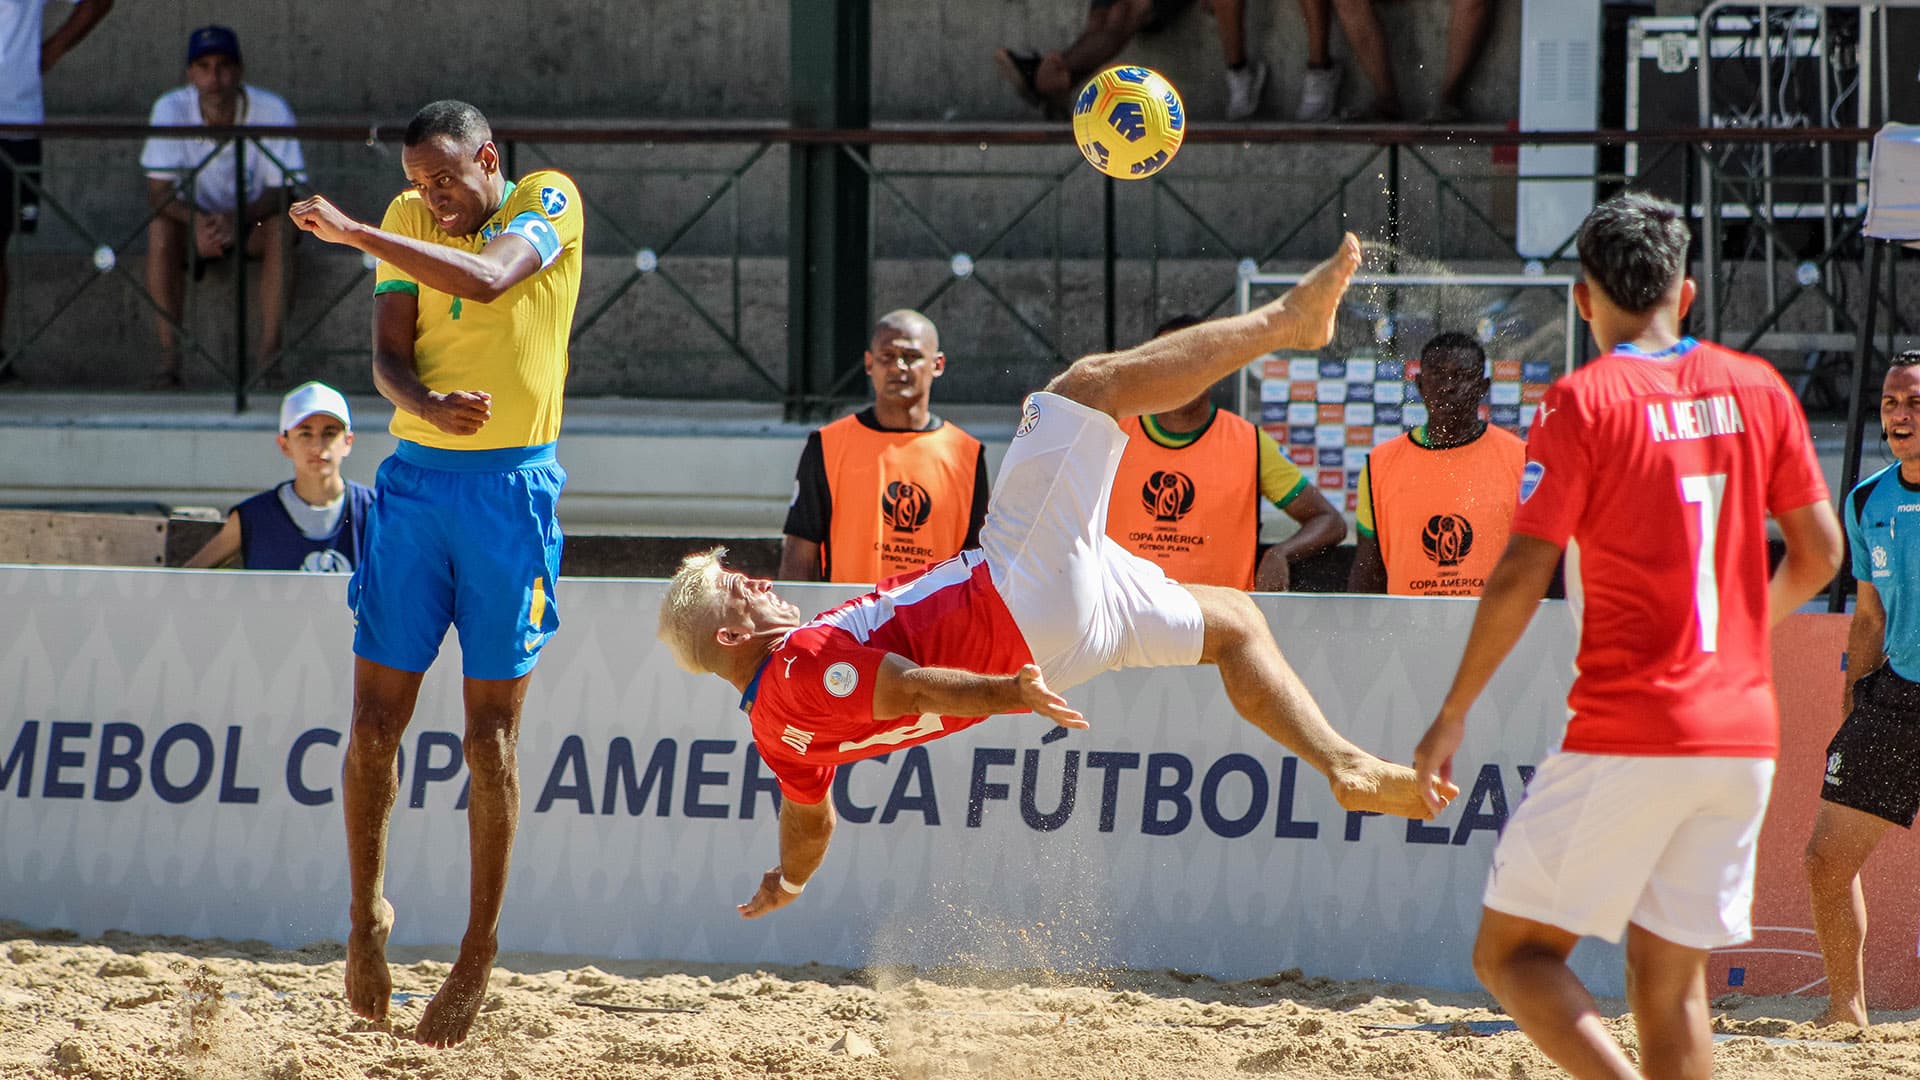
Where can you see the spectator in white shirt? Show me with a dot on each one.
(192, 187)
(26, 53)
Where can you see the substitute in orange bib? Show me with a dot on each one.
(1436, 503)
(1187, 496)
(891, 487)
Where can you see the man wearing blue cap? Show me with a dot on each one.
(199, 211)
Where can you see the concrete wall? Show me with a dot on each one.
(575, 59)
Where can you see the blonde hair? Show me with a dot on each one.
(691, 610)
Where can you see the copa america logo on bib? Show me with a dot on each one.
(840, 679)
(1029, 416)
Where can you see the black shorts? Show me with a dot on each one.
(23, 156)
(1873, 762)
(1164, 12)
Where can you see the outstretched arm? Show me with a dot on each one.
(905, 690)
(1513, 593)
(482, 276)
(804, 831)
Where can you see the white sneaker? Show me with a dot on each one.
(1243, 89)
(1319, 91)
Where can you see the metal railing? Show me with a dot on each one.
(1022, 256)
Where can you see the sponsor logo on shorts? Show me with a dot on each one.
(535, 640)
(1447, 539)
(1530, 478)
(840, 679)
(905, 505)
(1167, 495)
(1029, 416)
(553, 201)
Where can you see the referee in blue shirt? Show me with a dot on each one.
(1873, 762)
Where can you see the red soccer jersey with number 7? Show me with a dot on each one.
(1657, 473)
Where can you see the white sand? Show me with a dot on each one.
(157, 1007)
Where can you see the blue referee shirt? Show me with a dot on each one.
(1883, 534)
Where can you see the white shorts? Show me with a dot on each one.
(1664, 843)
(1085, 604)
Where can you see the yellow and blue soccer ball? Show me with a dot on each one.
(1129, 121)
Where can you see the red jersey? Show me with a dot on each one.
(1657, 473)
(811, 702)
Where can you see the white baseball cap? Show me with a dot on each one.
(308, 398)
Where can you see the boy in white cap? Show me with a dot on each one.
(316, 521)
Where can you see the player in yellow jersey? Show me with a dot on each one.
(473, 302)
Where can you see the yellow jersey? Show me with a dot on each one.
(514, 348)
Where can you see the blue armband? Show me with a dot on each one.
(533, 226)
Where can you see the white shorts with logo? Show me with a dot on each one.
(1085, 604)
(1664, 843)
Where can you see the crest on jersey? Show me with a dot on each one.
(1530, 478)
(840, 679)
(1833, 767)
(327, 561)
(1029, 416)
(1879, 557)
(553, 201)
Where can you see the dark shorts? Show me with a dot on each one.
(21, 205)
(1164, 12)
(1873, 762)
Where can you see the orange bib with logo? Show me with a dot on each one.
(1442, 516)
(1194, 510)
(901, 499)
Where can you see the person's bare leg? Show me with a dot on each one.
(1466, 35)
(1105, 35)
(1167, 372)
(1368, 39)
(1230, 16)
(1523, 963)
(1317, 16)
(166, 279)
(383, 700)
(493, 812)
(1265, 691)
(272, 242)
(1667, 991)
(1842, 839)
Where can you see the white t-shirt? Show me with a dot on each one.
(174, 159)
(20, 30)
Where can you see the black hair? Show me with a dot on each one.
(1454, 344)
(1906, 359)
(1177, 322)
(456, 121)
(1634, 247)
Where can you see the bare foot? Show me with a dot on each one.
(450, 1015)
(369, 985)
(1382, 787)
(1308, 309)
(1841, 1013)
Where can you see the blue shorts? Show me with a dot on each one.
(462, 538)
